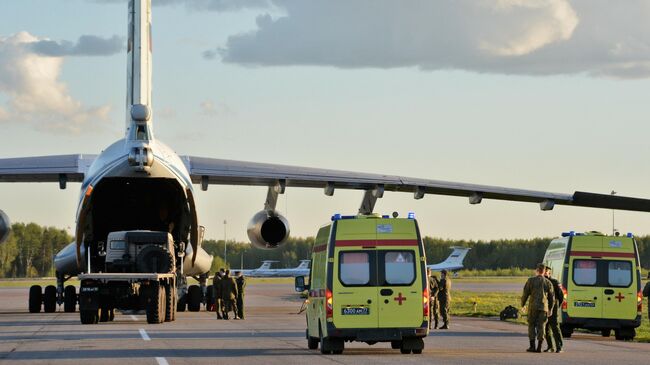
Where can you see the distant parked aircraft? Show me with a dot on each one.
(454, 262)
(266, 271)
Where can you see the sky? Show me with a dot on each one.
(548, 95)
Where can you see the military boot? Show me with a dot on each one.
(532, 346)
(539, 346)
(549, 349)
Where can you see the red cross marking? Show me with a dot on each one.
(400, 298)
(619, 297)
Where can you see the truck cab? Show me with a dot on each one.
(368, 283)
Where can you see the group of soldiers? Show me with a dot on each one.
(229, 294)
(544, 296)
(439, 299)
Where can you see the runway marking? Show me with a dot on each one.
(162, 361)
(144, 335)
(134, 317)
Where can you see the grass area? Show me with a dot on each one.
(473, 304)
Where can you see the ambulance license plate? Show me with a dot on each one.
(355, 311)
(584, 304)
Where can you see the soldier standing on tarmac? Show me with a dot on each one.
(216, 282)
(540, 292)
(444, 298)
(433, 302)
(553, 333)
(241, 284)
(229, 294)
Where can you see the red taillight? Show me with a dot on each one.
(425, 303)
(329, 308)
(639, 302)
(564, 302)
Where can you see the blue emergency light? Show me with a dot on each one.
(411, 215)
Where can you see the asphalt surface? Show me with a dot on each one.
(272, 333)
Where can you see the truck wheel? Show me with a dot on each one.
(194, 298)
(210, 299)
(69, 299)
(181, 303)
(35, 298)
(49, 299)
(156, 305)
(169, 308)
(567, 331)
(88, 316)
(405, 351)
(606, 333)
(103, 314)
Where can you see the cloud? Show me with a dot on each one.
(528, 37)
(29, 81)
(87, 45)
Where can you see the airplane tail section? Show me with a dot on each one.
(139, 63)
(304, 264)
(266, 265)
(454, 261)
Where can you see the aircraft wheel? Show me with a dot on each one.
(69, 299)
(35, 298)
(194, 298)
(181, 303)
(49, 299)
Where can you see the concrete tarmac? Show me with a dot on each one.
(272, 333)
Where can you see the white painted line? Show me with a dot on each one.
(134, 317)
(144, 335)
(162, 361)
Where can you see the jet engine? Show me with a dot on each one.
(268, 229)
(5, 227)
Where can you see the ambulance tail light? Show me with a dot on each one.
(564, 302)
(329, 308)
(639, 302)
(425, 303)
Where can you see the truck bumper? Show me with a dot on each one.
(376, 334)
(600, 323)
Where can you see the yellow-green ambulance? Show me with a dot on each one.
(601, 281)
(367, 283)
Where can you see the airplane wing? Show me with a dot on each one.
(62, 168)
(229, 172)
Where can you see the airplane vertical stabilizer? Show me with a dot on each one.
(138, 98)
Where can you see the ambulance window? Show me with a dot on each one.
(619, 273)
(585, 272)
(400, 267)
(354, 268)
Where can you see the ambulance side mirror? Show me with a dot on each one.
(300, 284)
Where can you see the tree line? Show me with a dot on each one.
(30, 250)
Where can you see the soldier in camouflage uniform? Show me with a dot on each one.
(216, 283)
(444, 298)
(540, 292)
(433, 302)
(241, 285)
(229, 294)
(553, 332)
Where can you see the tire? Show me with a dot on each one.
(169, 304)
(210, 299)
(103, 314)
(395, 345)
(567, 331)
(35, 298)
(417, 352)
(49, 299)
(194, 298)
(181, 303)
(89, 316)
(70, 299)
(405, 351)
(606, 333)
(156, 304)
(164, 260)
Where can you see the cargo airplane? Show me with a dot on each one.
(140, 184)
